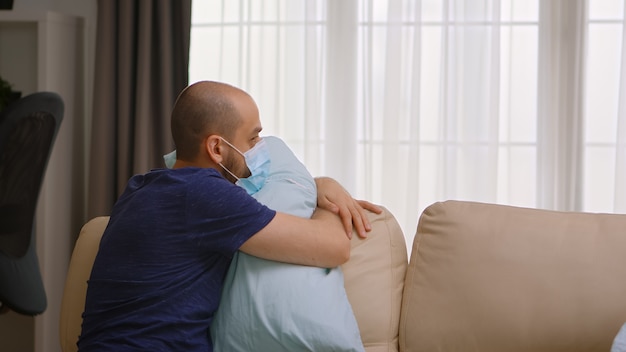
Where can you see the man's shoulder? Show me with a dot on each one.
(188, 172)
(181, 176)
(204, 186)
(175, 184)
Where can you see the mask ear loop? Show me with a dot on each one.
(232, 146)
(230, 172)
(224, 167)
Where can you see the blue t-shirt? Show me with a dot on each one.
(157, 279)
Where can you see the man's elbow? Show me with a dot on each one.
(345, 254)
(340, 255)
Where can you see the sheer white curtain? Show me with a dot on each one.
(409, 102)
(560, 115)
(619, 189)
(446, 104)
(604, 134)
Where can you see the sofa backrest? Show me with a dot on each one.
(374, 281)
(486, 277)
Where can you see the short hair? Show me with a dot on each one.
(202, 109)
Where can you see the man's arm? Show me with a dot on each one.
(320, 241)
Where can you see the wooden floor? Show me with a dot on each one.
(16, 332)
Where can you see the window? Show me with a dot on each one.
(411, 102)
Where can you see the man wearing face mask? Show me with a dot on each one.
(156, 281)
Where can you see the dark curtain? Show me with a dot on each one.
(142, 59)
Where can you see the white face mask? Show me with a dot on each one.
(258, 162)
(170, 159)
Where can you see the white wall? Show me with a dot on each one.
(87, 9)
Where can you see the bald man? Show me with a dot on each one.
(156, 281)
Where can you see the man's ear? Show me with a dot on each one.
(213, 147)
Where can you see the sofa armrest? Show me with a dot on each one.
(75, 290)
(374, 280)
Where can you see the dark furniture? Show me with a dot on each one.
(28, 128)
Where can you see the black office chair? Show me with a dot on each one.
(28, 128)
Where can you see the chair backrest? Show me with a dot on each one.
(28, 128)
(75, 290)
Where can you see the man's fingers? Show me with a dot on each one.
(370, 206)
(365, 220)
(355, 216)
(328, 205)
(352, 212)
(360, 222)
(346, 219)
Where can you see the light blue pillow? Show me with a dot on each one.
(619, 343)
(271, 306)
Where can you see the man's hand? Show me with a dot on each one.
(333, 197)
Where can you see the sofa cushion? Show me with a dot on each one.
(486, 277)
(374, 280)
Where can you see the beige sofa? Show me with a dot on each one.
(481, 277)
